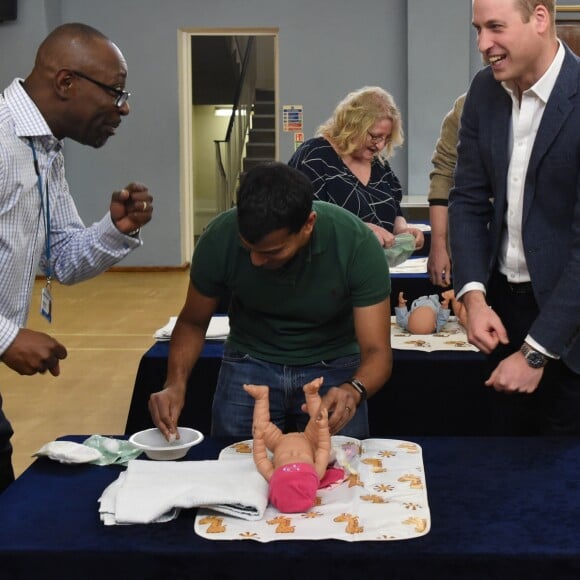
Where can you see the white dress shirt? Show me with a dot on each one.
(76, 253)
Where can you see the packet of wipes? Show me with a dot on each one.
(112, 450)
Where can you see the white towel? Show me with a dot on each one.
(151, 491)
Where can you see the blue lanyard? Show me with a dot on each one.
(45, 213)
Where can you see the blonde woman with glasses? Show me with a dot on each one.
(347, 162)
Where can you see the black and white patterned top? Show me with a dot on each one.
(378, 202)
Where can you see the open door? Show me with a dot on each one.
(209, 62)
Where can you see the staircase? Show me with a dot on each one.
(261, 144)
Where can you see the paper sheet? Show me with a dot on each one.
(411, 266)
(218, 329)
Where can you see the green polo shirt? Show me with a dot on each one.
(300, 313)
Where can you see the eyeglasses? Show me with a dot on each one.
(377, 138)
(122, 96)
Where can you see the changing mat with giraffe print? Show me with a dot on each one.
(384, 497)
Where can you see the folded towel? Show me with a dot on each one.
(151, 491)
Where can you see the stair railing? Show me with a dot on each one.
(230, 151)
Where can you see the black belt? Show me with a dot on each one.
(521, 288)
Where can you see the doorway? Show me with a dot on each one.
(210, 61)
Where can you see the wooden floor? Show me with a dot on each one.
(106, 325)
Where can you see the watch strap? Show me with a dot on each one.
(359, 388)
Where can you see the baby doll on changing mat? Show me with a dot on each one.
(300, 461)
(427, 314)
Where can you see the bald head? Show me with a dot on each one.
(76, 46)
(77, 78)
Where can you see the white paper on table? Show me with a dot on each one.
(422, 227)
(218, 329)
(411, 266)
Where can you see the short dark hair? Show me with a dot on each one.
(272, 197)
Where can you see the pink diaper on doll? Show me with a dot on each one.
(293, 488)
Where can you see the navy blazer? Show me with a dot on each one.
(551, 211)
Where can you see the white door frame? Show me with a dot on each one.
(186, 148)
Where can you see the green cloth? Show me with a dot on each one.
(301, 313)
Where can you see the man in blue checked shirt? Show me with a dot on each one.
(77, 90)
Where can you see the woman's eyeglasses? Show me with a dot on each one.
(375, 139)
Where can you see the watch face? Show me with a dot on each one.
(535, 360)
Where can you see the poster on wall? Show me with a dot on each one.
(293, 117)
(298, 139)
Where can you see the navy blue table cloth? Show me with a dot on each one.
(500, 508)
(437, 393)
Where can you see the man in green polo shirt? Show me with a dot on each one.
(309, 298)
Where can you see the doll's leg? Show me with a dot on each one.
(323, 447)
(317, 419)
(312, 397)
(262, 424)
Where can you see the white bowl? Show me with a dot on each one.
(155, 446)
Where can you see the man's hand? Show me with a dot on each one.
(131, 208)
(340, 405)
(34, 352)
(439, 266)
(484, 327)
(165, 407)
(514, 375)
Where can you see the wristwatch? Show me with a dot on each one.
(359, 388)
(535, 359)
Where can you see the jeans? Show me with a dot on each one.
(6, 471)
(233, 408)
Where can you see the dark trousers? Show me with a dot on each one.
(554, 408)
(6, 471)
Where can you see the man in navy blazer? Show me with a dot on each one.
(515, 217)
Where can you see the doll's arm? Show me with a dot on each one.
(402, 301)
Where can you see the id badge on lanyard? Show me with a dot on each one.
(46, 294)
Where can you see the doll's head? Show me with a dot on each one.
(422, 320)
(293, 487)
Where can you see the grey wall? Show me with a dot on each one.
(438, 72)
(425, 57)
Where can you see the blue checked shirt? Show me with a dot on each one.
(76, 252)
